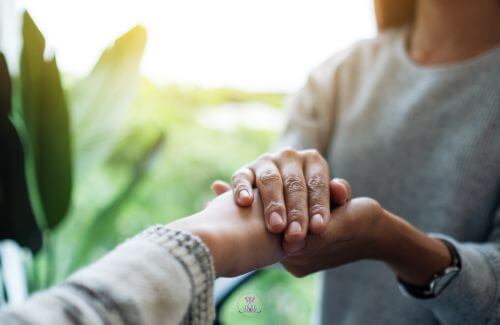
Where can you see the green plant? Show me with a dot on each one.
(48, 142)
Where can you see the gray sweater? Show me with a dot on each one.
(425, 143)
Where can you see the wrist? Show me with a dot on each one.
(196, 226)
(413, 256)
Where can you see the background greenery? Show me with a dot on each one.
(178, 183)
(101, 164)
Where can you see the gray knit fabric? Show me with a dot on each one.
(425, 143)
(161, 276)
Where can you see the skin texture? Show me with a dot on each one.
(236, 237)
(294, 192)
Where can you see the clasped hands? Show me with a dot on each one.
(284, 208)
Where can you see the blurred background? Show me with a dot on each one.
(156, 100)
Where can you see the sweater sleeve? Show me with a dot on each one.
(161, 276)
(473, 297)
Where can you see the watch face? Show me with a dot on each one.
(443, 281)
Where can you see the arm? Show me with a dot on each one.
(362, 229)
(473, 297)
(162, 276)
(149, 279)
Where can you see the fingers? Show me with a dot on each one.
(317, 177)
(219, 187)
(295, 192)
(270, 185)
(340, 191)
(242, 182)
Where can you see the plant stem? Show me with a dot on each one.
(50, 261)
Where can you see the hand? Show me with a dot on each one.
(352, 234)
(362, 229)
(236, 237)
(294, 192)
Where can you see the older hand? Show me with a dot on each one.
(294, 191)
(236, 237)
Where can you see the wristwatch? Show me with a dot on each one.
(439, 281)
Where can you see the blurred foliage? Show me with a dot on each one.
(138, 160)
(42, 121)
(17, 219)
(285, 299)
(44, 128)
(100, 102)
(178, 183)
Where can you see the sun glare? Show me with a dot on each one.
(257, 45)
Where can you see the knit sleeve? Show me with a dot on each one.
(161, 276)
(473, 297)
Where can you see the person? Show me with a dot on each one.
(165, 274)
(412, 120)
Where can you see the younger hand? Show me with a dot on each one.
(362, 229)
(351, 235)
(236, 237)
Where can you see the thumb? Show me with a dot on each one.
(219, 187)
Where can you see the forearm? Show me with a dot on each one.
(236, 237)
(412, 255)
(473, 295)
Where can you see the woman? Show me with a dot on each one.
(412, 120)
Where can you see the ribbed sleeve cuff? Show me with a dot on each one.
(472, 296)
(195, 258)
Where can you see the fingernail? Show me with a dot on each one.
(317, 219)
(275, 219)
(294, 228)
(244, 194)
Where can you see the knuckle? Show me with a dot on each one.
(295, 214)
(317, 208)
(317, 183)
(269, 177)
(265, 158)
(371, 203)
(240, 187)
(294, 184)
(238, 179)
(313, 154)
(288, 152)
(273, 206)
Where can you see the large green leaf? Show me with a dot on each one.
(17, 220)
(46, 123)
(101, 101)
